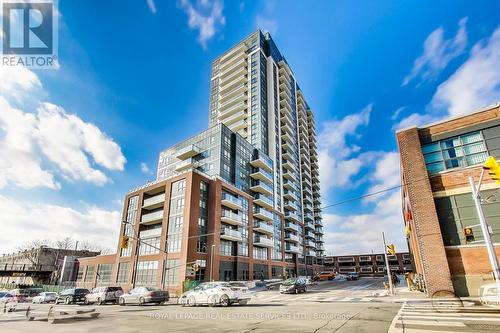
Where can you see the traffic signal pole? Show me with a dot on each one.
(387, 267)
(484, 226)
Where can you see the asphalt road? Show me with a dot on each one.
(265, 313)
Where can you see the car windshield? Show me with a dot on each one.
(290, 282)
(81, 291)
(152, 289)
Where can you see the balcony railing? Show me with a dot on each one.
(263, 200)
(292, 248)
(263, 175)
(262, 214)
(152, 217)
(292, 238)
(232, 202)
(187, 152)
(154, 202)
(263, 227)
(261, 162)
(263, 241)
(231, 234)
(261, 187)
(228, 216)
(291, 226)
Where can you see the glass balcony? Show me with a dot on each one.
(291, 237)
(310, 243)
(319, 230)
(263, 241)
(311, 253)
(187, 152)
(156, 232)
(235, 109)
(263, 175)
(310, 234)
(290, 205)
(153, 217)
(241, 124)
(309, 225)
(262, 162)
(154, 202)
(308, 216)
(228, 216)
(292, 216)
(291, 226)
(234, 118)
(263, 227)
(231, 234)
(185, 165)
(291, 248)
(262, 214)
(263, 201)
(232, 202)
(261, 187)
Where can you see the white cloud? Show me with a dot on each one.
(396, 113)
(145, 168)
(35, 220)
(35, 145)
(476, 83)
(415, 119)
(438, 52)
(151, 6)
(336, 163)
(266, 25)
(205, 16)
(362, 233)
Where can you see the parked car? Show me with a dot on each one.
(307, 279)
(489, 294)
(215, 293)
(101, 295)
(45, 297)
(352, 276)
(72, 296)
(6, 297)
(143, 295)
(324, 276)
(293, 285)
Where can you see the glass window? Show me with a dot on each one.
(104, 273)
(172, 272)
(122, 272)
(89, 275)
(146, 273)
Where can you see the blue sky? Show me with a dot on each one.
(134, 79)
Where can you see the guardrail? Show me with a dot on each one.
(27, 268)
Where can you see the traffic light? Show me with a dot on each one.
(194, 268)
(391, 248)
(469, 234)
(493, 168)
(124, 242)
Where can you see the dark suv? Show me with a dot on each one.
(72, 296)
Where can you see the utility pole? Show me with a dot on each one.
(484, 226)
(387, 267)
(212, 263)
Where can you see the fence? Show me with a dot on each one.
(44, 287)
(190, 284)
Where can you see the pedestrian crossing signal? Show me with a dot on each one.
(124, 242)
(469, 234)
(391, 249)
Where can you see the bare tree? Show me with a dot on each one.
(66, 243)
(30, 249)
(88, 246)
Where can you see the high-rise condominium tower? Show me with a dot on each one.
(255, 94)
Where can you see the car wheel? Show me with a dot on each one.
(142, 301)
(213, 300)
(224, 300)
(191, 301)
(121, 301)
(67, 300)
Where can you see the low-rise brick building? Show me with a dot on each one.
(436, 162)
(368, 264)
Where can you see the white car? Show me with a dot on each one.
(215, 293)
(45, 297)
(490, 294)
